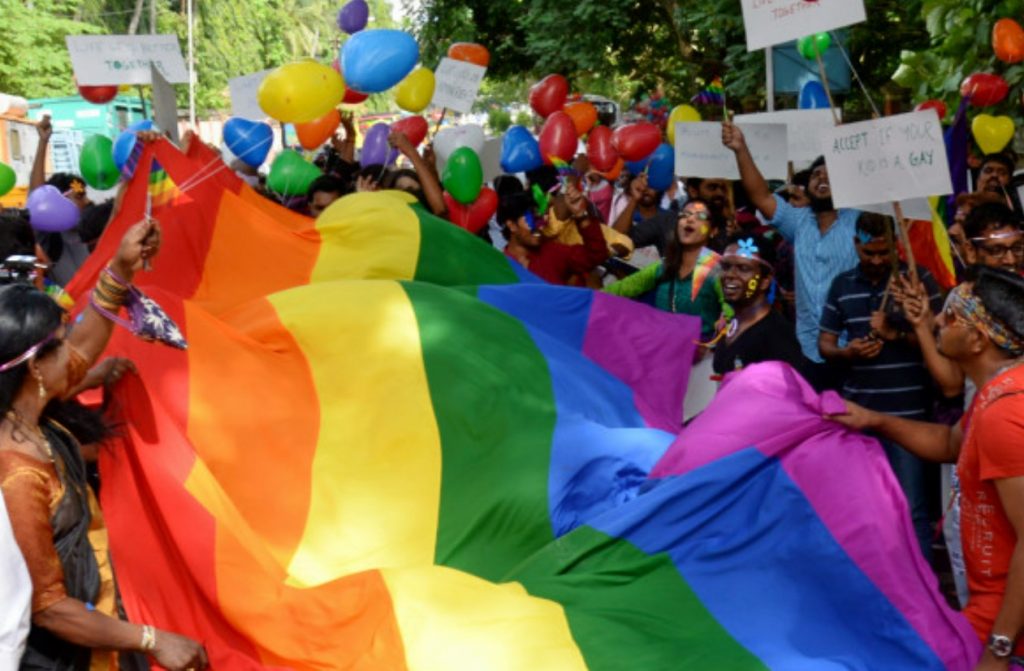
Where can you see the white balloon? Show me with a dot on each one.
(450, 139)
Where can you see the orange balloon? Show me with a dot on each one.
(614, 173)
(583, 115)
(1008, 41)
(313, 134)
(470, 52)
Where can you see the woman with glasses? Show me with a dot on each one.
(42, 474)
(682, 282)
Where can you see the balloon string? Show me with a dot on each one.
(856, 75)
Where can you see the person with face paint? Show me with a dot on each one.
(820, 235)
(886, 368)
(758, 332)
(550, 260)
(981, 330)
(676, 282)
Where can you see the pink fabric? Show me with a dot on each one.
(846, 479)
(657, 390)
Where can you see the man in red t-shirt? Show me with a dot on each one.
(982, 330)
(553, 261)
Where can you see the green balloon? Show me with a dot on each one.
(8, 178)
(463, 176)
(96, 163)
(290, 174)
(812, 45)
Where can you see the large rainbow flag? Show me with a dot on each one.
(389, 447)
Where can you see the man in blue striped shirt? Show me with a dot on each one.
(822, 239)
(886, 368)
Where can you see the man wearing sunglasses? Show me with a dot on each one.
(981, 330)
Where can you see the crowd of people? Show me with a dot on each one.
(773, 273)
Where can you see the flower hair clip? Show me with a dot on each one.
(747, 249)
(864, 237)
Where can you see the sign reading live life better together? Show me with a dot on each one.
(100, 60)
(888, 159)
(770, 22)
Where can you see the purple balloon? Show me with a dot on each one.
(353, 16)
(376, 150)
(50, 211)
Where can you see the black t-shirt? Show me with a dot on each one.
(771, 339)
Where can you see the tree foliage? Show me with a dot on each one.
(961, 34)
(232, 38)
(636, 46)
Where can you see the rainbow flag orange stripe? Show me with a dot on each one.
(389, 447)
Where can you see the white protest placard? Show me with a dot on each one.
(700, 152)
(888, 159)
(456, 84)
(165, 105)
(805, 128)
(243, 90)
(100, 60)
(770, 22)
(913, 208)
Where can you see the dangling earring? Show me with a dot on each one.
(752, 286)
(39, 380)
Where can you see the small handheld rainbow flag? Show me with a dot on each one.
(706, 262)
(714, 94)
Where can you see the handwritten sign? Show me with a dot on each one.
(243, 90)
(100, 60)
(893, 158)
(805, 129)
(913, 208)
(700, 152)
(456, 84)
(770, 22)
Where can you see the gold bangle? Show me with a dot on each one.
(111, 285)
(148, 642)
(104, 303)
(105, 297)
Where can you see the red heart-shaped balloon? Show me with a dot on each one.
(600, 151)
(548, 95)
(937, 105)
(985, 89)
(98, 95)
(472, 217)
(414, 127)
(558, 138)
(353, 97)
(636, 141)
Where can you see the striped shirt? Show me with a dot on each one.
(818, 259)
(896, 381)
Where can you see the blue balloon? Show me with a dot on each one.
(813, 95)
(637, 167)
(125, 143)
(662, 167)
(375, 60)
(520, 151)
(249, 140)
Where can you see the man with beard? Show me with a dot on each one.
(758, 332)
(821, 237)
(886, 369)
(982, 331)
(995, 174)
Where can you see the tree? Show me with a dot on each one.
(960, 32)
(634, 46)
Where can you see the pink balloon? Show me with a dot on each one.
(636, 141)
(50, 211)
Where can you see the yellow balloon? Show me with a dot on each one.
(124, 88)
(680, 113)
(992, 133)
(301, 91)
(415, 92)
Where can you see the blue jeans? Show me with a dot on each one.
(909, 470)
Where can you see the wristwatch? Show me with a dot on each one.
(1000, 646)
